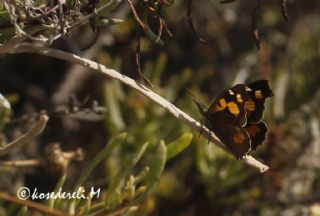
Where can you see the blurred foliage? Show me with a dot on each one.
(5, 110)
(199, 178)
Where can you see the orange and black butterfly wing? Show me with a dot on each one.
(226, 116)
(258, 91)
(231, 102)
(230, 132)
(257, 133)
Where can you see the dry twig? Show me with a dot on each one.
(37, 206)
(27, 137)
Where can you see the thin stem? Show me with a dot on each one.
(37, 206)
(23, 163)
(27, 137)
(10, 43)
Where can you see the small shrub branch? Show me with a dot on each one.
(27, 137)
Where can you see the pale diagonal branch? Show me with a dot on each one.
(175, 111)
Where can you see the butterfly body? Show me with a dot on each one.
(235, 116)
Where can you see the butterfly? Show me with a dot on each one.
(235, 116)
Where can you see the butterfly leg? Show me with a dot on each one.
(206, 123)
(201, 125)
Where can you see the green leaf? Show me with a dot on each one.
(142, 175)
(159, 68)
(109, 8)
(152, 36)
(177, 146)
(96, 208)
(149, 33)
(103, 154)
(23, 211)
(132, 210)
(86, 206)
(114, 187)
(113, 96)
(108, 22)
(93, 163)
(156, 169)
(126, 211)
(56, 190)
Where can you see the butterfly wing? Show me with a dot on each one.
(257, 133)
(226, 116)
(231, 102)
(258, 91)
(233, 114)
(230, 132)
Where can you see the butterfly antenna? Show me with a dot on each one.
(194, 97)
(200, 105)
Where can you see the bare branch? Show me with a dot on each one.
(136, 16)
(37, 206)
(86, 19)
(10, 43)
(21, 163)
(175, 111)
(138, 60)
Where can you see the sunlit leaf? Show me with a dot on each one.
(180, 144)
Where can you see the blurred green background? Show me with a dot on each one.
(201, 180)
